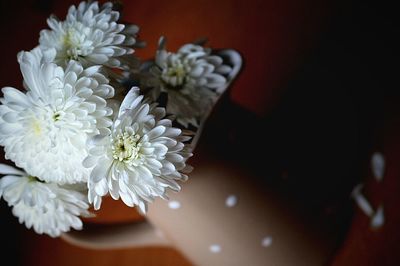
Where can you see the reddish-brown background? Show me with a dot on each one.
(274, 38)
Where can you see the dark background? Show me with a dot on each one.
(315, 105)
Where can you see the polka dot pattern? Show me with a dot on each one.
(266, 241)
(231, 201)
(215, 248)
(173, 204)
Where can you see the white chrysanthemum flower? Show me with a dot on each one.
(91, 35)
(142, 157)
(45, 129)
(192, 77)
(46, 207)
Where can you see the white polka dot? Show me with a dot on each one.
(266, 241)
(231, 201)
(215, 248)
(174, 204)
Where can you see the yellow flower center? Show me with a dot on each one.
(175, 75)
(37, 129)
(126, 147)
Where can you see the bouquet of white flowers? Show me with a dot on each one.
(93, 120)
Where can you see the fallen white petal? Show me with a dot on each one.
(378, 165)
(379, 218)
(361, 201)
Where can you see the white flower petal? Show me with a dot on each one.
(100, 171)
(155, 132)
(90, 34)
(12, 95)
(193, 79)
(131, 100)
(47, 208)
(9, 170)
(144, 160)
(47, 133)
